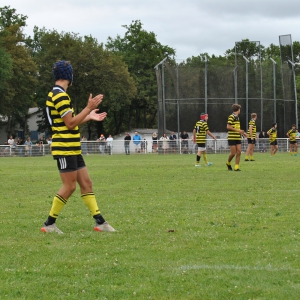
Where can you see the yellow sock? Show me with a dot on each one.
(228, 163)
(246, 157)
(90, 201)
(205, 158)
(251, 157)
(57, 205)
(236, 167)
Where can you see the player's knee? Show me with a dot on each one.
(72, 187)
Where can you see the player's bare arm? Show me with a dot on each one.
(210, 134)
(93, 102)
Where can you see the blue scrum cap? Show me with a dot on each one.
(63, 70)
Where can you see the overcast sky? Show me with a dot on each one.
(190, 26)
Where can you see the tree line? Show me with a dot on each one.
(122, 70)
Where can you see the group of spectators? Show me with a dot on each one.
(17, 146)
(105, 144)
(169, 143)
(140, 145)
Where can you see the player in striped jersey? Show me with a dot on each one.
(291, 134)
(66, 149)
(199, 135)
(251, 137)
(234, 137)
(272, 133)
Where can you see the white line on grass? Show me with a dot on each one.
(233, 267)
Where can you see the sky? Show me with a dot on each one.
(191, 27)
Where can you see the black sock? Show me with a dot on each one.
(50, 221)
(99, 219)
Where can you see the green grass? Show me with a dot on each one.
(183, 232)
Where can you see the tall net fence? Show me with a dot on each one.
(185, 91)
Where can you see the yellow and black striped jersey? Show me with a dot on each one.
(234, 121)
(253, 124)
(272, 134)
(292, 134)
(65, 142)
(201, 128)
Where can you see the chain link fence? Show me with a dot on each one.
(264, 88)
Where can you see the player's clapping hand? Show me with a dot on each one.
(94, 102)
(97, 117)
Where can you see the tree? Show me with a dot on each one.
(95, 71)
(8, 17)
(141, 52)
(18, 90)
(5, 73)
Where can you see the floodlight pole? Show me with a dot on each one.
(163, 91)
(247, 88)
(235, 83)
(295, 91)
(205, 82)
(274, 86)
(178, 107)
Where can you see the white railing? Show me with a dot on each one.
(118, 147)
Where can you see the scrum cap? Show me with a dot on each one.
(203, 116)
(63, 70)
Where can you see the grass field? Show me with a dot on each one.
(183, 232)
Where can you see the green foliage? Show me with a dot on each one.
(17, 92)
(95, 71)
(183, 232)
(141, 52)
(5, 71)
(8, 17)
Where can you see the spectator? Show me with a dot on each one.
(173, 139)
(49, 141)
(20, 146)
(109, 142)
(40, 143)
(165, 143)
(28, 147)
(185, 142)
(154, 142)
(11, 141)
(102, 141)
(6, 149)
(84, 145)
(127, 140)
(137, 142)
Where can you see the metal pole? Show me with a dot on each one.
(163, 97)
(205, 82)
(295, 91)
(178, 107)
(274, 86)
(235, 83)
(247, 90)
(261, 93)
(235, 77)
